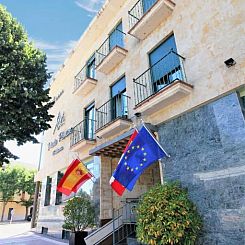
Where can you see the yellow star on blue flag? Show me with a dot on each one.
(141, 153)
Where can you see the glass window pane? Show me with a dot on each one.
(91, 71)
(118, 87)
(89, 123)
(48, 191)
(147, 4)
(116, 37)
(165, 66)
(92, 188)
(58, 199)
(119, 99)
(162, 50)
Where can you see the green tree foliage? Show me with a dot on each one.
(26, 186)
(16, 180)
(79, 213)
(24, 102)
(9, 185)
(167, 216)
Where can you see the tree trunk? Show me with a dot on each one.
(26, 213)
(3, 210)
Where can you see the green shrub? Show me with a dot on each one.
(167, 216)
(79, 214)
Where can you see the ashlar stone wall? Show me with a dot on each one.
(207, 148)
(109, 199)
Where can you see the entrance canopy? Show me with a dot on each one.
(114, 147)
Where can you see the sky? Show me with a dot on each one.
(54, 26)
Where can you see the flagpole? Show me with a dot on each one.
(160, 163)
(155, 139)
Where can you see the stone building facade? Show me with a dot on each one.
(160, 61)
(207, 156)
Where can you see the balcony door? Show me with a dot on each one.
(119, 105)
(165, 65)
(116, 37)
(89, 122)
(91, 71)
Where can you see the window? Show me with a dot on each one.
(147, 4)
(116, 37)
(91, 71)
(119, 105)
(89, 122)
(92, 188)
(48, 191)
(165, 65)
(66, 234)
(58, 199)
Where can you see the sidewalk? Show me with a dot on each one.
(31, 239)
(15, 222)
(20, 233)
(14, 229)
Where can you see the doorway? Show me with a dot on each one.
(9, 213)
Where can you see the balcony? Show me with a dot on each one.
(82, 135)
(111, 53)
(161, 85)
(112, 117)
(147, 15)
(83, 84)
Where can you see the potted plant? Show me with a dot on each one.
(165, 215)
(79, 215)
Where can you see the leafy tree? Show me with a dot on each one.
(79, 213)
(167, 216)
(23, 100)
(26, 186)
(83, 194)
(9, 185)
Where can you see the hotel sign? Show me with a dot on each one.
(58, 96)
(56, 151)
(59, 121)
(62, 135)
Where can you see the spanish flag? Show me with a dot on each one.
(75, 175)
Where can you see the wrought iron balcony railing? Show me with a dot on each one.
(164, 72)
(79, 78)
(117, 107)
(115, 39)
(138, 10)
(82, 75)
(83, 131)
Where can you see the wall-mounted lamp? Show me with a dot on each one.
(230, 62)
(137, 114)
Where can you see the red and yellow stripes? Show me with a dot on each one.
(75, 175)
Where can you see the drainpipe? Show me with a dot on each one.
(37, 189)
(160, 162)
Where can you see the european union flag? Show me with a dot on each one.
(140, 154)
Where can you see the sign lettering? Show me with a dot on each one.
(58, 150)
(60, 121)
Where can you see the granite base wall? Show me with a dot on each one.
(207, 148)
